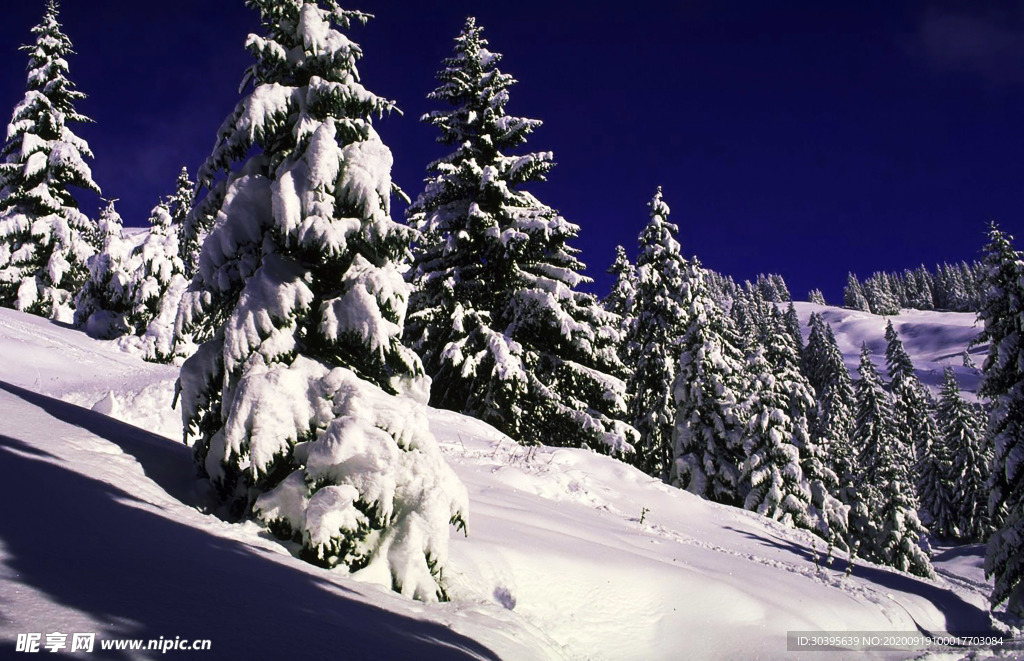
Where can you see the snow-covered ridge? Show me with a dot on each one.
(569, 554)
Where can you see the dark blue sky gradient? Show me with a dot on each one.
(807, 140)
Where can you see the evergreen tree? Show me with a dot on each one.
(784, 468)
(496, 313)
(743, 320)
(833, 423)
(912, 407)
(622, 298)
(792, 327)
(770, 473)
(781, 288)
(1002, 312)
(290, 403)
(158, 284)
(103, 305)
(815, 296)
(181, 202)
(710, 420)
(879, 294)
(45, 241)
(967, 471)
(660, 318)
(885, 521)
(853, 295)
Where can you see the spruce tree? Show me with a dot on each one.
(709, 396)
(853, 295)
(784, 468)
(815, 296)
(497, 315)
(1002, 312)
(885, 521)
(792, 327)
(103, 305)
(300, 403)
(968, 464)
(833, 423)
(912, 407)
(45, 241)
(621, 300)
(158, 284)
(660, 317)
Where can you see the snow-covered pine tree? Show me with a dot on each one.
(158, 284)
(768, 288)
(912, 406)
(103, 305)
(291, 403)
(925, 299)
(784, 469)
(968, 465)
(770, 474)
(833, 423)
(496, 313)
(853, 295)
(781, 288)
(884, 520)
(743, 320)
(792, 326)
(1002, 312)
(815, 296)
(709, 395)
(622, 298)
(45, 241)
(881, 299)
(653, 339)
(180, 204)
(621, 301)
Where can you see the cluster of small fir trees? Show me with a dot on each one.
(956, 287)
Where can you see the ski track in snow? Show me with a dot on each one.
(556, 565)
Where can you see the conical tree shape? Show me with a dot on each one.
(1002, 312)
(966, 462)
(710, 419)
(45, 241)
(496, 314)
(653, 339)
(891, 533)
(300, 302)
(103, 305)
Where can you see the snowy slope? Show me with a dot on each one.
(105, 536)
(934, 340)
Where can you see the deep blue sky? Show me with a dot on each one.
(807, 139)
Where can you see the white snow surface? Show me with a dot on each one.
(104, 531)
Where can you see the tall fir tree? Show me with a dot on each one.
(967, 470)
(709, 396)
(912, 408)
(836, 402)
(784, 466)
(45, 241)
(853, 295)
(621, 300)
(290, 403)
(1002, 312)
(497, 315)
(659, 320)
(885, 520)
(103, 304)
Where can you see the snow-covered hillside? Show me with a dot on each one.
(569, 554)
